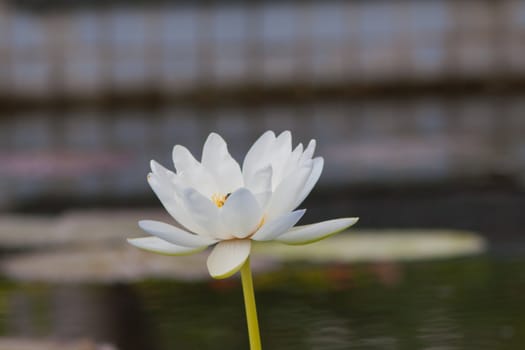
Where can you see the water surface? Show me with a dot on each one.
(466, 303)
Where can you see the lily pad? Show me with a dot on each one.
(363, 246)
(111, 264)
(120, 262)
(83, 227)
(20, 231)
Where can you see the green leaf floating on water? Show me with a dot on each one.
(102, 263)
(383, 245)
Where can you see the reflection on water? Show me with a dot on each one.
(473, 303)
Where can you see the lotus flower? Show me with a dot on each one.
(215, 202)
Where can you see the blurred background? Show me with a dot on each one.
(418, 107)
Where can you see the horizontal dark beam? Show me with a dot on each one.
(210, 96)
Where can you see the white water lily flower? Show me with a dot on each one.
(217, 203)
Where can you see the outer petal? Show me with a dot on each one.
(228, 257)
(263, 198)
(201, 209)
(183, 159)
(241, 214)
(219, 162)
(161, 171)
(278, 226)
(261, 180)
(255, 159)
(280, 156)
(285, 196)
(191, 173)
(159, 246)
(174, 234)
(293, 161)
(315, 232)
(309, 151)
(317, 169)
(166, 194)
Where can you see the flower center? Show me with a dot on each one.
(219, 199)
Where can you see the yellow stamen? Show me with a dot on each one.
(219, 199)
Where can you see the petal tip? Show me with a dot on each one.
(214, 134)
(219, 275)
(142, 223)
(225, 275)
(153, 164)
(345, 223)
(299, 212)
(352, 221)
(227, 258)
(269, 132)
(315, 232)
(135, 242)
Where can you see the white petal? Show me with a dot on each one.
(263, 199)
(228, 257)
(219, 162)
(174, 234)
(159, 246)
(317, 169)
(167, 196)
(199, 178)
(276, 227)
(315, 232)
(183, 159)
(191, 173)
(284, 141)
(161, 171)
(280, 154)
(202, 210)
(256, 158)
(241, 214)
(298, 150)
(261, 180)
(309, 151)
(293, 161)
(163, 190)
(285, 196)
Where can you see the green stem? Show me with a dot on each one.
(249, 303)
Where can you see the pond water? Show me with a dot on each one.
(462, 303)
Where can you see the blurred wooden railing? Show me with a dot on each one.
(181, 48)
(408, 91)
